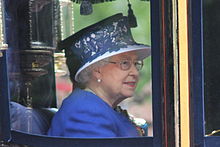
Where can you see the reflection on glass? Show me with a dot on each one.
(30, 120)
(42, 23)
(32, 84)
(3, 45)
(34, 91)
(211, 21)
(66, 18)
(66, 28)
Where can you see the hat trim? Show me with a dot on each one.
(140, 48)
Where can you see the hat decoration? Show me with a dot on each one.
(106, 38)
(86, 5)
(131, 17)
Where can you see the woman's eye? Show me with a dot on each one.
(125, 62)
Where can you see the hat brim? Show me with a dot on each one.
(143, 51)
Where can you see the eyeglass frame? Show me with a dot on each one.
(130, 64)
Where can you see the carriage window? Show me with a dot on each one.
(141, 104)
(31, 74)
(211, 22)
(39, 77)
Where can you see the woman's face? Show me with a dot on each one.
(117, 83)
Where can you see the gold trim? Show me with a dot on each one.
(42, 47)
(37, 51)
(183, 74)
(176, 72)
(60, 64)
(213, 133)
(71, 20)
(30, 19)
(3, 45)
(59, 58)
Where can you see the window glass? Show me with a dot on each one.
(31, 36)
(211, 22)
(141, 104)
(38, 77)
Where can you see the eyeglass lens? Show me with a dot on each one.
(126, 64)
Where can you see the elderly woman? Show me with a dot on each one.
(104, 63)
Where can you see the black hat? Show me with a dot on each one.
(106, 38)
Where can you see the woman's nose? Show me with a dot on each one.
(134, 70)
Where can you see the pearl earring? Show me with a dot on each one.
(99, 80)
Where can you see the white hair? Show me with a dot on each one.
(85, 75)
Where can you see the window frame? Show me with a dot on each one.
(197, 123)
(16, 137)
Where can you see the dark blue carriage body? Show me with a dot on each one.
(18, 68)
(26, 64)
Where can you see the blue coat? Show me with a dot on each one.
(83, 114)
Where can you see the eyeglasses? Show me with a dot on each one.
(126, 64)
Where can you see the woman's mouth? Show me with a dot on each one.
(130, 84)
